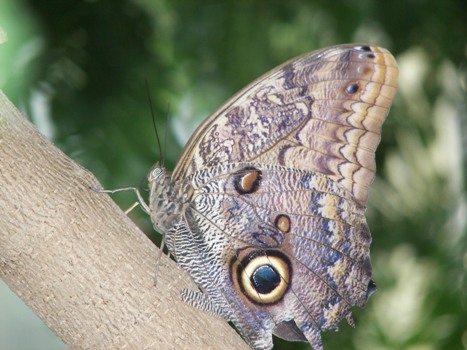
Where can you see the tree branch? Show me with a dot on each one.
(77, 260)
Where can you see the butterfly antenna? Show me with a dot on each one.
(167, 118)
(154, 120)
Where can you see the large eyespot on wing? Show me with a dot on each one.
(322, 112)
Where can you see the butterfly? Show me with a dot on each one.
(265, 207)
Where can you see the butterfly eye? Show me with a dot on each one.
(264, 276)
(155, 173)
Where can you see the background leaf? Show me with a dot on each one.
(77, 68)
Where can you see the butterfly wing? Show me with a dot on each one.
(276, 249)
(267, 201)
(322, 112)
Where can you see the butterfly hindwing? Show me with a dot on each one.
(307, 230)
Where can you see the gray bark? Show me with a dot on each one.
(80, 263)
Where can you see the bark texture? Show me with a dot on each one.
(77, 260)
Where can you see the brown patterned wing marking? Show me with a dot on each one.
(321, 112)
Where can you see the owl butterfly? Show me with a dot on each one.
(265, 207)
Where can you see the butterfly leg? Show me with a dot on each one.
(140, 201)
(135, 204)
(158, 259)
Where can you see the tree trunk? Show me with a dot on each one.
(77, 260)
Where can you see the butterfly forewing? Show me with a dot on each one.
(322, 111)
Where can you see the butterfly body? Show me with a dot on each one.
(265, 208)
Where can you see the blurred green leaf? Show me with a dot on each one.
(78, 69)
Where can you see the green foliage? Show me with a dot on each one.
(78, 69)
